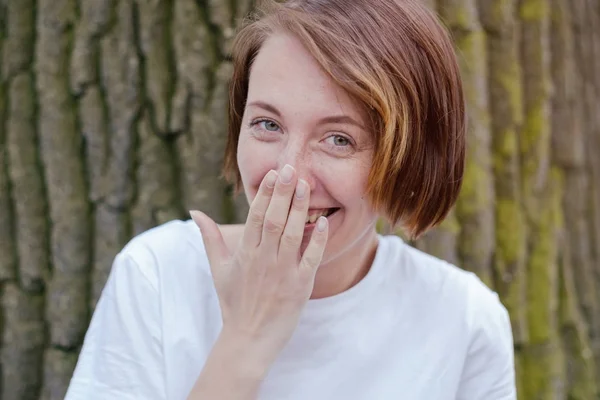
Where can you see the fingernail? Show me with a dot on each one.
(271, 178)
(301, 189)
(321, 223)
(286, 174)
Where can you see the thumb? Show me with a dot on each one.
(211, 235)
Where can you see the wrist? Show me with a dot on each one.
(233, 370)
(245, 352)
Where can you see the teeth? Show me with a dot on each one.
(314, 217)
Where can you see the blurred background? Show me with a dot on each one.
(113, 118)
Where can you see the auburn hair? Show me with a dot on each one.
(398, 61)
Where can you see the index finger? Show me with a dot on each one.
(258, 209)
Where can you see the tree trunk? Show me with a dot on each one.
(504, 70)
(113, 121)
(579, 213)
(542, 355)
(568, 155)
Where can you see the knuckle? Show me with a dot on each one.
(312, 260)
(273, 227)
(321, 239)
(242, 256)
(315, 250)
(298, 205)
(266, 190)
(256, 218)
(284, 189)
(291, 239)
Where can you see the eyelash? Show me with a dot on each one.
(341, 149)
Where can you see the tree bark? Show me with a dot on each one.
(542, 356)
(578, 208)
(499, 20)
(113, 120)
(568, 154)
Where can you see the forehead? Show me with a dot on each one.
(286, 75)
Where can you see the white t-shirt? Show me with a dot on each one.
(415, 328)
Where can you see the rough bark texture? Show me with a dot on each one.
(474, 208)
(568, 155)
(505, 101)
(580, 209)
(542, 355)
(113, 120)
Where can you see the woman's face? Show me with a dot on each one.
(295, 114)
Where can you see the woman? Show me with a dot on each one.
(342, 112)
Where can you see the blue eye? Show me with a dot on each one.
(340, 144)
(270, 126)
(266, 124)
(340, 140)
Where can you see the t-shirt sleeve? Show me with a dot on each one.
(489, 372)
(121, 356)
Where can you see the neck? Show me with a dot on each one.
(347, 269)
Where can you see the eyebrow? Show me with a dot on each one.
(333, 119)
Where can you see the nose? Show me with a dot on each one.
(298, 156)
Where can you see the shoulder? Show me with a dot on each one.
(457, 294)
(175, 246)
(469, 312)
(124, 351)
(436, 276)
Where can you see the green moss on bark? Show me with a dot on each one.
(510, 230)
(533, 10)
(507, 76)
(535, 130)
(541, 188)
(543, 288)
(543, 355)
(511, 276)
(474, 208)
(542, 367)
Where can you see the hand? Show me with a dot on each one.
(264, 284)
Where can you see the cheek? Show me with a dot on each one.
(254, 161)
(346, 181)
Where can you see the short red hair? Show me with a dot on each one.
(398, 61)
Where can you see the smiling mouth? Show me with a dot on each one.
(313, 215)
